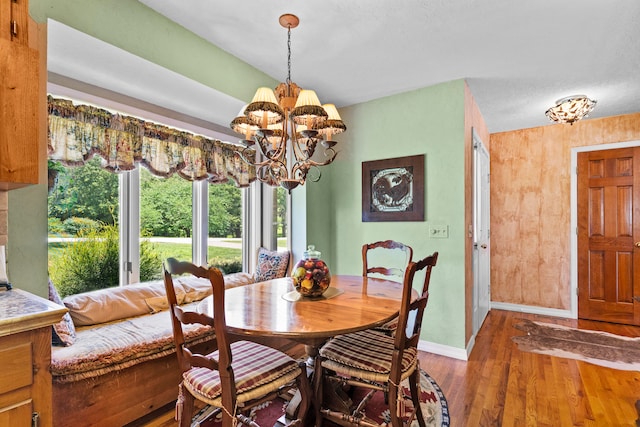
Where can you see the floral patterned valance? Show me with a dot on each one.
(78, 132)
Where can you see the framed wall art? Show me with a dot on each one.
(393, 189)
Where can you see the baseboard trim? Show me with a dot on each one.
(443, 350)
(532, 309)
(470, 344)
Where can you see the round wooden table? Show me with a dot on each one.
(267, 309)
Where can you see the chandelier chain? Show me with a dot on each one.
(288, 54)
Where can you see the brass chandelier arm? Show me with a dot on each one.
(300, 169)
(326, 162)
(246, 159)
(268, 152)
(299, 154)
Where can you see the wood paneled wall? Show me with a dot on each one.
(531, 207)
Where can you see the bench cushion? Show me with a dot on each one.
(108, 347)
(117, 343)
(106, 305)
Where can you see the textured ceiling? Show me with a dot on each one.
(517, 57)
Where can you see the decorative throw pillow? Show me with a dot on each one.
(64, 332)
(271, 264)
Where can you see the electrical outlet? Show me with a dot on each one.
(439, 231)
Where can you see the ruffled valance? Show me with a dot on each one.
(78, 132)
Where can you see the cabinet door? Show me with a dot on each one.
(16, 380)
(19, 415)
(19, 88)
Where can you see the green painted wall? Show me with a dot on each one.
(27, 239)
(427, 121)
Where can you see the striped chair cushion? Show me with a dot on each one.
(257, 368)
(366, 354)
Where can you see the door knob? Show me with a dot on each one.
(637, 244)
(483, 246)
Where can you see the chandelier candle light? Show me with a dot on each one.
(287, 125)
(571, 109)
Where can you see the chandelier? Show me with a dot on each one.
(571, 109)
(286, 126)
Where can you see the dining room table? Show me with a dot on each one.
(273, 308)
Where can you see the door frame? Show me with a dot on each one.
(479, 286)
(574, 212)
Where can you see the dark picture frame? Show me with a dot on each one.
(393, 189)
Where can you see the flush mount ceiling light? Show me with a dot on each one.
(571, 109)
(286, 126)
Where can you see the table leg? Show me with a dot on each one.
(292, 408)
(312, 353)
(333, 395)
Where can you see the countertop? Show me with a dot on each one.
(23, 311)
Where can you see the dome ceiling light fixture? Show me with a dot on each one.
(287, 125)
(570, 109)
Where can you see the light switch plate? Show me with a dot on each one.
(439, 231)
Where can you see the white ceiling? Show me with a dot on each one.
(518, 57)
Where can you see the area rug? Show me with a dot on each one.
(434, 407)
(600, 348)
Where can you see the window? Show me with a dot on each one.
(95, 215)
(166, 213)
(83, 227)
(224, 243)
(282, 221)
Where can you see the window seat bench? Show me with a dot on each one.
(122, 364)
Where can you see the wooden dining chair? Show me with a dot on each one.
(377, 361)
(387, 259)
(235, 377)
(387, 250)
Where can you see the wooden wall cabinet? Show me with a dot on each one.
(19, 91)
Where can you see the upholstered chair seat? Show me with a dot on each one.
(367, 355)
(259, 370)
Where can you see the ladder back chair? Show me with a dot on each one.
(388, 247)
(376, 361)
(238, 375)
(395, 256)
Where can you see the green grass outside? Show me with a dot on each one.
(181, 251)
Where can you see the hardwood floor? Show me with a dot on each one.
(502, 386)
